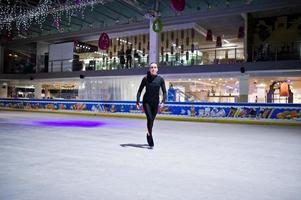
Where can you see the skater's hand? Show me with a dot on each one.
(138, 106)
(161, 105)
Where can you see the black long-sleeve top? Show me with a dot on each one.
(152, 84)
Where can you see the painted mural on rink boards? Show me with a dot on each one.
(197, 110)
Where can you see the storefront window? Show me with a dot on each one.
(180, 88)
(275, 90)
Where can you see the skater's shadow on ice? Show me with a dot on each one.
(145, 146)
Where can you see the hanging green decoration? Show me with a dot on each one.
(157, 25)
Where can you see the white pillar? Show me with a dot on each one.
(42, 48)
(243, 88)
(38, 91)
(153, 42)
(1, 59)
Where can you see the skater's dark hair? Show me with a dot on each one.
(153, 63)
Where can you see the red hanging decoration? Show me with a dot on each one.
(218, 41)
(178, 5)
(104, 41)
(209, 35)
(241, 32)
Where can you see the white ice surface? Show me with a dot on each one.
(201, 161)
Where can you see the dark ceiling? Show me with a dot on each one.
(107, 13)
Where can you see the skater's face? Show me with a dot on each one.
(153, 69)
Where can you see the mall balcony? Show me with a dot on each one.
(208, 56)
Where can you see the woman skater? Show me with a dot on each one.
(152, 81)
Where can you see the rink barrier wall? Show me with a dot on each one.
(246, 113)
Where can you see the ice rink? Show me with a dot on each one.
(73, 157)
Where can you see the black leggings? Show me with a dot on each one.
(150, 112)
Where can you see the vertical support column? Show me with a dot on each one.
(42, 48)
(38, 91)
(245, 17)
(243, 88)
(1, 59)
(154, 39)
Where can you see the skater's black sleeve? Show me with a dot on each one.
(143, 83)
(163, 87)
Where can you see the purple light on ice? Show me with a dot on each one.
(70, 123)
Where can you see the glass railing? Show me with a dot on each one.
(276, 51)
(208, 56)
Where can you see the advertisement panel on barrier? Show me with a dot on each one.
(197, 110)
